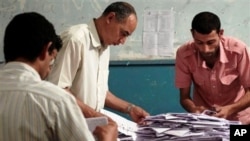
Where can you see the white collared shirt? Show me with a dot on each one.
(33, 109)
(82, 65)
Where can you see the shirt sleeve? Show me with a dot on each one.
(71, 124)
(66, 64)
(244, 68)
(182, 73)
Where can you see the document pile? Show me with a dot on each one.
(184, 127)
(174, 127)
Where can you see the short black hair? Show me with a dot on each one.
(206, 22)
(122, 10)
(27, 34)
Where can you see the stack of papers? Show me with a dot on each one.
(184, 127)
(174, 126)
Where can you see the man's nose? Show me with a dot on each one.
(206, 48)
(122, 40)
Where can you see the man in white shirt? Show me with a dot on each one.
(31, 108)
(82, 67)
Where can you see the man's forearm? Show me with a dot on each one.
(243, 103)
(190, 107)
(87, 110)
(116, 103)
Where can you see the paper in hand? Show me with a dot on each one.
(96, 121)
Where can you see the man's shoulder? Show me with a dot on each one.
(80, 27)
(42, 90)
(186, 49)
(75, 31)
(51, 92)
(77, 28)
(233, 44)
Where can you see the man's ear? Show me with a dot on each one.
(192, 32)
(110, 17)
(221, 32)
(45, 51)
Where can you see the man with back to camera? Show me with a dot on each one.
(82, 67)
(31, 108)
(219, 68)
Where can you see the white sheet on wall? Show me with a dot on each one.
(158, 32)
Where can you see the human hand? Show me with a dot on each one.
(137, 114)
(107, 132)
(244, 117)
(222, 111)
(198, 109)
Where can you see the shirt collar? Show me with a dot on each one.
(199, 60)
(223, 56)
(94, 37)
(23, 67)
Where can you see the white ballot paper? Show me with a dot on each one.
(125, 126)
(96, 121)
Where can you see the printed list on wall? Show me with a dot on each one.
(158, 32)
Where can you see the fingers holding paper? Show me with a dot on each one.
(137, 114)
